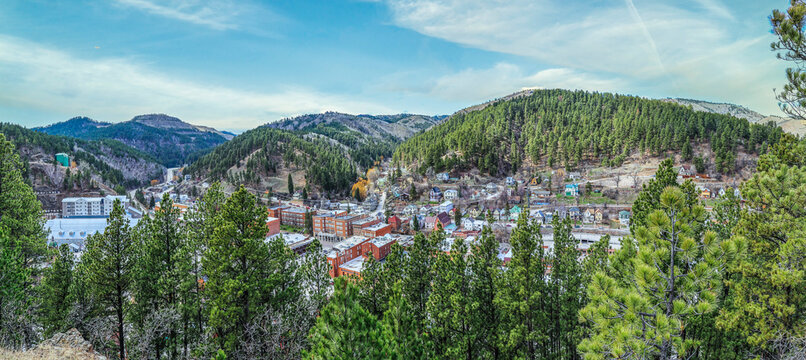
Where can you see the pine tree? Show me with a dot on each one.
(235, 262)
(523, 298)
(457, 216)
(55, 292)
(676, 275)
(345, 330)
(485, 285)
(418, 273)
(404, 337)
(687, 151)
(110, 260)
(308, 222)
(290, 185)
(450, 308)
(567, 288)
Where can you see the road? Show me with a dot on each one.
(381, 205)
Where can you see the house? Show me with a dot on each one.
(63, 159)
(574, 213)
(446, 206)
(721, 192)
(589, 216)
(444, 177)
(451, 194)
(705, 193)
(572, 190)
(515, 212)
(561, 212)
(574, 175)
(435, 194)
(624, 217)
(443, 219)
(492, 187)
(410, 210)
(598, 216)
(687, 170)
(535, 181)
(510, 181)
(540, 193)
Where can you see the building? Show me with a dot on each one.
(589, 216)
(435, 194)
(444, 177)
(334, 227)
(572, 190)
(63, 159)
(296, 242)
(396, 222)
(379, 247)
(574, 213)
(442, 219)
(510, 181)
(451, 194)
(352, 268)
(293, 216)
(343, 252)
(74, 231)
(492, 187)
(624, 217)
(274, 226)
(360, 224)
(376, 230)
(90, 206)
(446, 206)
(277, 212)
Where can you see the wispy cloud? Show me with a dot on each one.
(114, 89)
(215, 14)
(656, 47)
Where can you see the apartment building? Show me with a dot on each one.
(376, 230)
(335, 227)
(90, 206)
(379, 247)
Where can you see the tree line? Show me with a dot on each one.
(562, 128)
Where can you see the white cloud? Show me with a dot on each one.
(685, 48)
(215, 14)
(115, 89)
(479, 85)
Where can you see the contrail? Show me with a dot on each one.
(637, 17)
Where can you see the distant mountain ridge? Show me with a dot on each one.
(794, 126)
(168, 139)
(399, 126)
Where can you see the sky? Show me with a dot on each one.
(239, 64)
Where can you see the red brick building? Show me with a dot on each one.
(379, 247)
(294, 216)
(335, 227)
(364, 223)
(396, 222)
(343, 252)
(274, 226)
(376, 230)
(277, 212)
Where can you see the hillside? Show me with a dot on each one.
(107, 162)
(792, 126)
(168, 139)
(571, 129)
(379, 127)
(326, 150)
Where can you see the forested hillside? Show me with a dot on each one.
(115, 163)
(263, 151)
(571, 128)
(166, 138)
(330, 148)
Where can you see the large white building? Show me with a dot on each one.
(90, 206)
(76, 230)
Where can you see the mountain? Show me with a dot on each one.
(168, 139)
(400, 127)
(793, 126)
(572, 129)
(105, 162)
(326, 150)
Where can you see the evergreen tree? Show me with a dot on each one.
(418, 272)
(55, 292)
(308, 222)
(523, 298)
(649, 198)
(404, 337)
(290, 185)
(567, 287)
(345, 330)
(485, 285)
(676, 275)
(236, 262)
(687, 152)
(450, 308)
(457, 216)
(699, 165)
(413, 193)
(305, 193)
(110, 260)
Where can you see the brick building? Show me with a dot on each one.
(395, 221)
(273, 224)
(379, 247)
(361, 224)
(277, 212)
(343, 252)
(335, 227)
(295, 216)
(376, 230)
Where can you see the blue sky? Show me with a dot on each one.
(238, 64)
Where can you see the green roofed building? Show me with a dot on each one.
(63, 159)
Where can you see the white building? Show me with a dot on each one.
(90, 206)
(451, 194)
(75, 231)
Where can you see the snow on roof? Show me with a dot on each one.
(355, 265)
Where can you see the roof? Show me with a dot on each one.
(78, 228)
(270, 219)
(571, 186)
(382, 240)
(355, 265)
(444, 218)
(297, 210)
(290, 238)
(348, 243)
(377, 227)
(394, 218)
